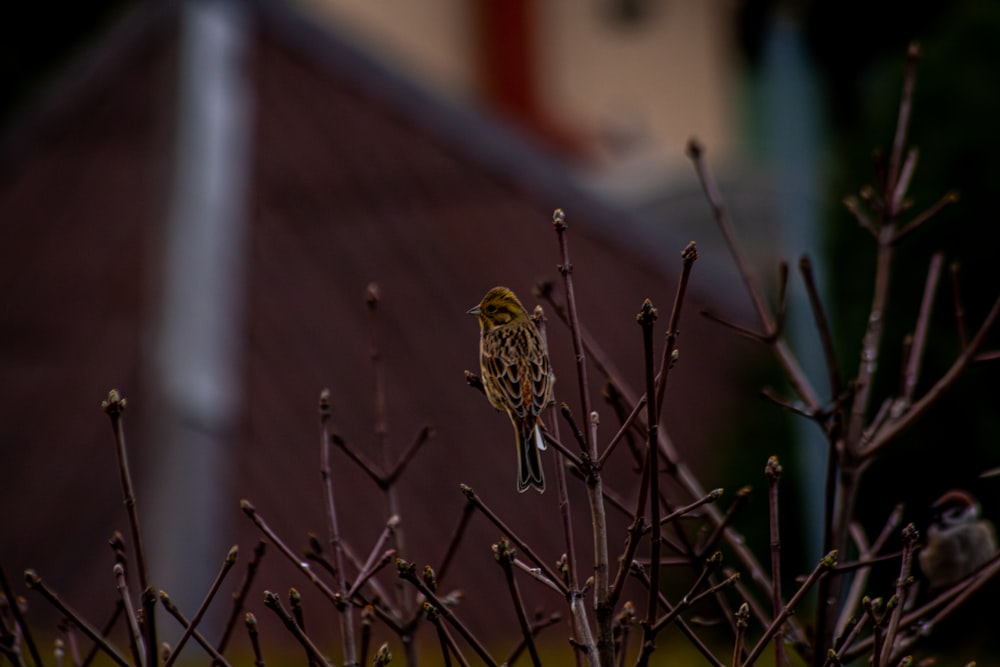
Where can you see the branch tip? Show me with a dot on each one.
(694, 148)
(559, 220)
(114, 405)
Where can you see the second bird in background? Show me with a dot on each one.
(517, 376)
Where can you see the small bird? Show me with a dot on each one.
(517, 376)
(958, 543)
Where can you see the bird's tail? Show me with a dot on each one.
(529, 459)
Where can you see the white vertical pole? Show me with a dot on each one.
(197, 341)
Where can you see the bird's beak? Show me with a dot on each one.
(473, 311)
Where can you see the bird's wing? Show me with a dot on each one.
(507, 383)
(541, 379)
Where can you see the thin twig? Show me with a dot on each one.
(956, 297)
(894, 427)
(895, 195)
(865, 558)
(273, 602)
(742, 621)
(773, 472)
(135, 634)
(198, 637)
(646, 318)
(822, 325)
(333, 529)
(535, 628)
(912, 372)
(371, 567)
(19, 618)
(449, 646)
(685, 629)
(741, 499)
(407, 572)
(34, 582)
(709, 497)
(114, 407)
(363, 462)
(828, 561)
(105, 631)
(690, 601)
(227, 565)
(504, 555)
(688, 257)
(605, 641)
(423, 437)
(796, 377)
(903, 584)
(946, 200)
(240, 596)
(404, 603)
(580, 623)
(456, 538)
(251, 624)
(300, 565)
(475, 500)
(933, 611)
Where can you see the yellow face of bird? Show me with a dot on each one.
(498, 307)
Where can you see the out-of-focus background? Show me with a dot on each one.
(195, 196)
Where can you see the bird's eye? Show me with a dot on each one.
(491, 309)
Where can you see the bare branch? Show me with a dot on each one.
(894, 426)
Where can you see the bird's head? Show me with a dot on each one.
(955, 507)
(498, 307)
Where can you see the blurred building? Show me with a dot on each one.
(193, 211)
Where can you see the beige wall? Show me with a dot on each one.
(665, 80)
(651, 84)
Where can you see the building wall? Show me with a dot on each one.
(627, 90)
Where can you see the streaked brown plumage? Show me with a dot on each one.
(517, 376)
(959, 541)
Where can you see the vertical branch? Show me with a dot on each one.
(646, 318)
(956, 295)
(896, 194)
(742, 621)
(333, 529)
(566, 268)
(580, 622)
(251, 624)
(381, 424)
(688, 257)
(894, 190)
(823, 325)
(773, 472)
(912, 372)
(134, 634)
(910, 538)
(114, 407)
(595, 488)
(565, 509)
